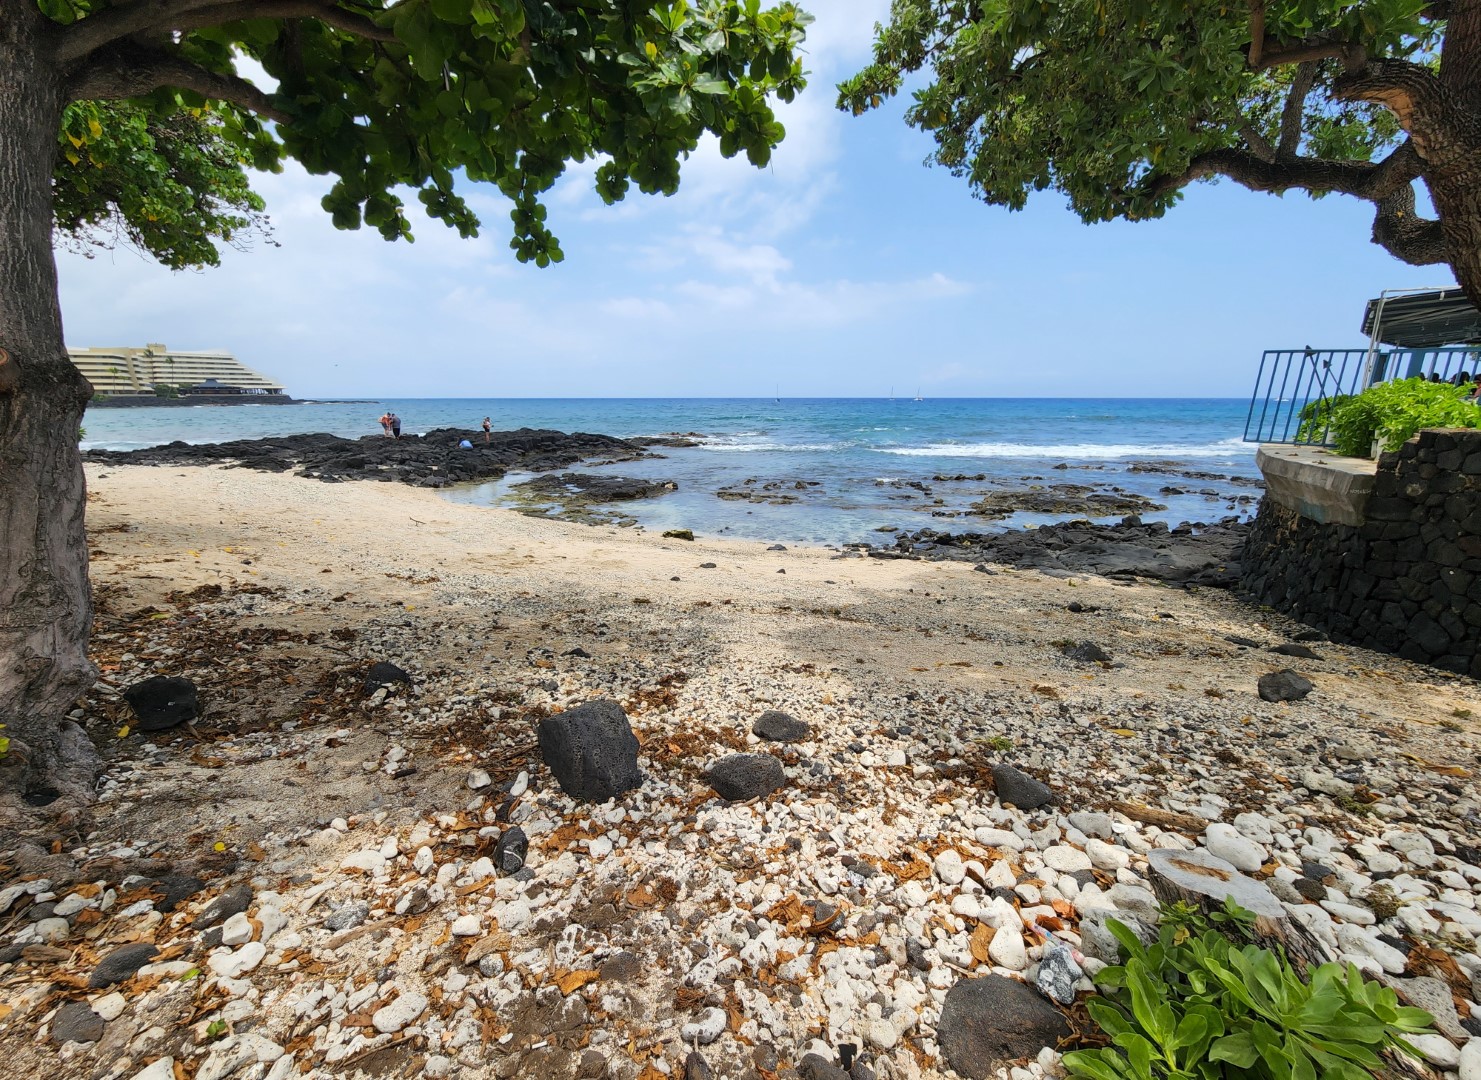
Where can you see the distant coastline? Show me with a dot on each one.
(151, 401)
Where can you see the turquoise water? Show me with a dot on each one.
(861, 453)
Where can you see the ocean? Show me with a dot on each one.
(820, 470)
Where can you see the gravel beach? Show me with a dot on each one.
(931, 774)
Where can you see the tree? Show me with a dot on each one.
(1120, 104)
(385, 95)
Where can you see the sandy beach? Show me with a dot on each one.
(374, 936)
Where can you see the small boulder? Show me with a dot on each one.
(381, 674)
(75, 1022)
(235, 899)
(122, 962)
(817, 1067)
(1088, 652)
(162, 702)
(746, 776)
(1020, 789)
(1242, 641)
(591, 750)
(510, 851)
(679, 534)
(993, 1022)
(1284, 685)
(777, 726)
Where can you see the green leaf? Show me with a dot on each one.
(1237, 1049)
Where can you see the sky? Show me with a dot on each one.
(846, 268)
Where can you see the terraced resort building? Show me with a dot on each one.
(128, 374)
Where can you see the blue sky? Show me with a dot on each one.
(844, 269)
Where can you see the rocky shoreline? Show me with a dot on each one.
(880, 804)
(1195, 554)
(436, 459)
(1189, 554)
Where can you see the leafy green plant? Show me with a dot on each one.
(1316, 418)
(1393, 411)
(1199, 1005)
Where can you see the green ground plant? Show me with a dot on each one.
(1390, 412)
(1204, 1003)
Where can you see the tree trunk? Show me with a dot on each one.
(45, 603)
(1453, 172)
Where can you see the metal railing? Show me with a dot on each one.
(1290, 380)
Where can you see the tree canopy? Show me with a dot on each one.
(415, 94)
(1120, 104)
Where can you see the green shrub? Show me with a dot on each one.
(1316, 418)
(1198, 1005)
(1392, 412)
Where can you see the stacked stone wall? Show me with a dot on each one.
(1407, 580)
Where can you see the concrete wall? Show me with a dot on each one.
(1407, 578)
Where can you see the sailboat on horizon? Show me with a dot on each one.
(917, 395)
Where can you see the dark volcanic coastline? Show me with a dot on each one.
(1189, 554)
(433, 460)
(1194, 554)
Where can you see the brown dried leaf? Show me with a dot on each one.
(574, 980)
(981, 939)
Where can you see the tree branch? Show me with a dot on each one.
(1295, 108)
(1259, 145)
(126, 71)
(1319, 47)
(323, 10)
(124, 20)
(1404, 235)
(162, 16)
(1248, 170)
(1257, 33)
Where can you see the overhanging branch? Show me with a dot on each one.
(1249, 170)
(129, 71)
(163, 16)
(124, 20)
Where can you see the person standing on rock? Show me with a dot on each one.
(395, 426)
(386, 423)
(487, 427)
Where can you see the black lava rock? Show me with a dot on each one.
(1020, 789)
(172, 888)
(1284, 685)
(383, 673)
(75, 1022)
(1311, 890)
(746, 776)
(1300, 652)
(1243, 642)
(1088, 652)
(992, 1022)
(817, 1067)
(592, 751)
(432, 460)
(164, 701)
(509, 852)
(695, 1067)
(235, 899)
(780, 727)
(121, 963)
